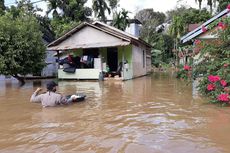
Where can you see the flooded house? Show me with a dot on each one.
(204, 32)
(102, 49)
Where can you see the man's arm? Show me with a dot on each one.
(35, 97)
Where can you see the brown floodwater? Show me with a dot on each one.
(152, 114)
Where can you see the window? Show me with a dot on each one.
(143, 58)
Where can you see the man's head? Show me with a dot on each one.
(51, 86)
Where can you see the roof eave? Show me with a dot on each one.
(196, 32)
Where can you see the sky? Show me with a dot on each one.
(134, 5)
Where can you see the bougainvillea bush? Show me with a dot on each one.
(213, 65)
(184, 72)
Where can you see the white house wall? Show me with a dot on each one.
(138, 68)
(89, 37)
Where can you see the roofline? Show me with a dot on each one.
(69, 33)
(122, 32)
(198, 30)
(129, 20)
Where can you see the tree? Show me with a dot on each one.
(113, 4)
(99, 8)
(148, 14)
(67, 14)
(210, 3)
(150, 20)
(162, 43)
(223, 5)
(200, 2)
(53, 6)
(62, 25)
(21, 50)
(2, 7)
(74, 10)
(121, 20)
(190, 16)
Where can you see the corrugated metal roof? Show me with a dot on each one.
(99, 26)
(84, 46)
(196, 32)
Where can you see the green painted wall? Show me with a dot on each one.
(128, 73)
(78, 52)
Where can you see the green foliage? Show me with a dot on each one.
(74, 10)
(215, 61)
(21, 50)
(181, 21)
(2, 7)
(99, 8)
(162, 43)
(177, 27)
(223, 5)
(156, 56)
(147, 15)
(192, 16)
(165, 44)
(113, 4)
(121, 20)
(61, 26)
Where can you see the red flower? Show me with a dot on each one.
(213, 78)
(228, 7)
(223, 83)
(211, 87)
(226, 65)
(187, 68)
(204, 29)
(223, 97)
(222, 26)
(197, 42)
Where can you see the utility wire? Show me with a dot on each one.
(30, 2)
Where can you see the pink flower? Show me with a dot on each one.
(211, 87)
(223, 83)
(223, 97)
(228, 7)
(226, 65)
(204, 29)
(197, 42)
(187, 68)
(213, 78)
(222, 26)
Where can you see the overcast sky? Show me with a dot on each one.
(134, 5)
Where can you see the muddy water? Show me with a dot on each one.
(153, 114)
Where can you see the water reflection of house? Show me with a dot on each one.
(107, 47)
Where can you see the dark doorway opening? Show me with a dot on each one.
(87, 59)
(112, 58)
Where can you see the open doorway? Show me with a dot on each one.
(112, 58)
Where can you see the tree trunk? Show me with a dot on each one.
(211, 9)
(200, 6)
(20, 79)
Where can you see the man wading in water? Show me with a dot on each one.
(50, 98)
